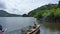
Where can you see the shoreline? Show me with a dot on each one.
(49, 20)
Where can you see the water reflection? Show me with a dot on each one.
(49, 28)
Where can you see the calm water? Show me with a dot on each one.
(49, 28)
(15, 24)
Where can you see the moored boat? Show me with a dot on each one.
(31, 30)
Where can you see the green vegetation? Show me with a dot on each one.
(47, 12)
(59, 5)
(24, 15)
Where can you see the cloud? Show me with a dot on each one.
(2, 5)
(24, 6)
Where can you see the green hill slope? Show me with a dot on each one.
(47, 12)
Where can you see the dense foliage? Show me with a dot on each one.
(50, 12)
(24, 15)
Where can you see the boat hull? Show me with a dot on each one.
(34, 31)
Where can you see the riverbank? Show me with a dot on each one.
(49, 20)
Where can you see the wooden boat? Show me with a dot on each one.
(31, 31)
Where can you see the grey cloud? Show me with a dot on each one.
(24, 6)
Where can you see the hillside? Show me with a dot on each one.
(6, 14)
(50, 12)
(39, 9)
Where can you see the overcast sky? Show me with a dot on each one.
(23, 6)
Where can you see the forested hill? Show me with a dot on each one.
(39, 9)
(49, 12)
(6, 14)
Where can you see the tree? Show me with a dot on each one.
(25, 15)
(59, 4)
